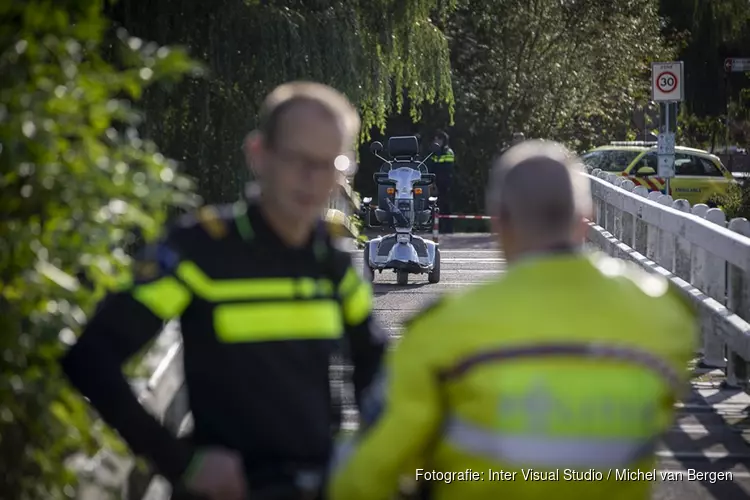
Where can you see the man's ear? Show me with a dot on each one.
(581, 229)
(495, 223)
(253, 149)
(501, 232)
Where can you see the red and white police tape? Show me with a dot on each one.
(480, 217)
(436, 222)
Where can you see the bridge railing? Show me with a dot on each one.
(707, 256)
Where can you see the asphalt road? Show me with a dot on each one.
(713, 424)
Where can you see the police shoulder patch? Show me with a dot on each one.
(145, 271)
(335, 229)
(210, 219)
(155, 261)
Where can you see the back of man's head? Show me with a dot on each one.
(443, 136)
(537, 192)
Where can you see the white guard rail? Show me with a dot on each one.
(695, 249)
(108, 475)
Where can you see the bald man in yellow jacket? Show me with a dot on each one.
(534, 386)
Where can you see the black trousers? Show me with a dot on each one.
(444, 181)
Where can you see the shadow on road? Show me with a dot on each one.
(724, 435)
(468, 241)
(384, 288)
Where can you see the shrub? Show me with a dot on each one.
(736, 201)
(76, 180)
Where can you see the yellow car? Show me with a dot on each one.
(698, 173)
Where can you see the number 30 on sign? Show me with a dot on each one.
(666, 82)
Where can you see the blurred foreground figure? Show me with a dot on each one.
(264, 297)
(536, 373)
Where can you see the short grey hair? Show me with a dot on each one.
(536, 187)
(330, 100)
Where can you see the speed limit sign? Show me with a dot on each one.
(666, 82)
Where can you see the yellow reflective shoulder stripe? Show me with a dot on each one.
(356, 297)
(279, 316)
(358, 305)
(250, 288)
(122, 283)
(263, 322)
(562, 436)
(167, 298)
(445, 159)
(349, 282)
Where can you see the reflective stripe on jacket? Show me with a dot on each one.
(539, 371)
(446, 156)
(260, 323)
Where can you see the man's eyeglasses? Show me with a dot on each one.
(296, 160)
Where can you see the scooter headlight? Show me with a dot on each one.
(403, 238)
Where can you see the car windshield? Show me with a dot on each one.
(610, 160)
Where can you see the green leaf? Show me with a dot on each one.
(71, 170)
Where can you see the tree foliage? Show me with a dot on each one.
(707, 32)
(736, 201)
(579, 71)
(70, 149)
(378, 52)
(87, 179)
(565, 70)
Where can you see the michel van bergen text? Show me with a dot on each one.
(573, 475)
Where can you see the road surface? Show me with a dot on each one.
(713, 423)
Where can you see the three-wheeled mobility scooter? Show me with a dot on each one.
(405, 206)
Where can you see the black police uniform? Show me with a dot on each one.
(443, 165)
(260, 323)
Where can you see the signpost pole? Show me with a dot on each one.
(726, 118)
(666, 132)
(667, 89)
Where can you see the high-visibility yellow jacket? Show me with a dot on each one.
(447, 156)
(547, 370)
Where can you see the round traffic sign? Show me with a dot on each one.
(666, 82)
